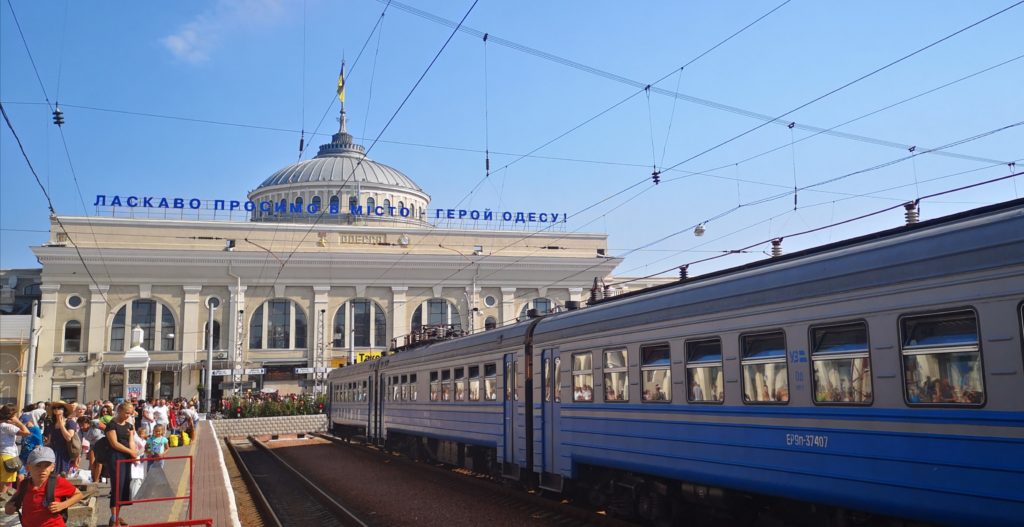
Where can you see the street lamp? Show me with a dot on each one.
(212, 303)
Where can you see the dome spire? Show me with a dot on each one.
(342, 143)
(343, 128)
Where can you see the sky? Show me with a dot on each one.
(264, 70)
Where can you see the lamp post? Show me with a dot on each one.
(212, 304)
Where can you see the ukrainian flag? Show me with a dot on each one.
(341, 84)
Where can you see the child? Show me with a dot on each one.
(32, 492)
(138, 470)
(156, 446)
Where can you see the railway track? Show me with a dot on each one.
(283, 494)
(545, 510)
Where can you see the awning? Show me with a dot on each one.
(153, 366)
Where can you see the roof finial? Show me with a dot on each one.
(341, 97)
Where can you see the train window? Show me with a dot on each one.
(842, 368)
(490, 382)
(547, 379)
(395, 390)
(412, 387)
(942, 359)
(405, 387)
(446, 385)
(558, 379)
(362, 392)
(460, 384)
(656, 372)
(764, 368)
(435, 387)
(474, 383)
(582, 377)
(704, 371)
(616, 376)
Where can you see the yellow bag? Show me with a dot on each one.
(185, 440)
(173, 441)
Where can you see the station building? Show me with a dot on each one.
(338, 258)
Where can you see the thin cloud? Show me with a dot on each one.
(196, 40)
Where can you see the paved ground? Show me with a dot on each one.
(212, 496)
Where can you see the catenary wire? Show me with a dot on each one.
(638, 84)
(53, 211)
(386, 125)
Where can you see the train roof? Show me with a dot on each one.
(975, 240)
(485, 341)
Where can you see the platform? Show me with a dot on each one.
(211, 494)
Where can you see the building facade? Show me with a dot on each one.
(337, 259)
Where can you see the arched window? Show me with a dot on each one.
(72, 336)
(371, 205)
(490, 323)
(353, 202)
(216, 335)
(401, 205)
(284, 205)
(335, 202)
(542, 305)
(316, 201)
(278, 324)
(155, 319)
(298, 201)
(367, 321)
(439, 312)
(387, 206)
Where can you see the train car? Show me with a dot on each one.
(881, 374)
(451, 401)
(875, 377)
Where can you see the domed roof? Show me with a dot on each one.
(340, 161)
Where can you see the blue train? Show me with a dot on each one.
(878, 377)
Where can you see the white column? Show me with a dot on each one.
(97, 320)
(191, 318)
(508, 305)
(43, 383)
(399, 319)
(472, 301)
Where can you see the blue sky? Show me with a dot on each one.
(274, 64)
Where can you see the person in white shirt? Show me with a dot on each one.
(161, 414)
(146, 415)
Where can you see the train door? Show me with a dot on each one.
(378, 427)
(509, 466)
(550, 408)
(367, 392)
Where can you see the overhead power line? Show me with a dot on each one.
(661, 91)
(49, 203)
(374, 143)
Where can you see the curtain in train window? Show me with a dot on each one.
(616, 376)
(942, 359)
(491, 382)
(474, 383)
(582, 377)
(435, 387)
(656, 372)
(765, 376)
(704, 382)
(412, 387)
(842, 367)
(446, 385)
(460, 384)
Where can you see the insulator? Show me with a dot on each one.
(911, 214)
(683, 272)
(776, 247)
(58, 116)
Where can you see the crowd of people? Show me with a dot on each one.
(83, 442)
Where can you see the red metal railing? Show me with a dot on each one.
(118, 502)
